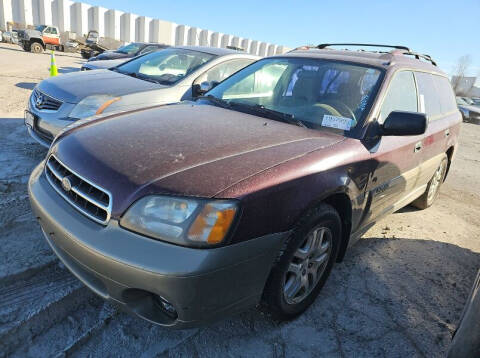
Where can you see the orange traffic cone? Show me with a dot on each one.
(53, 65)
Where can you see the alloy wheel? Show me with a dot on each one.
(436, 182)
(307, 265)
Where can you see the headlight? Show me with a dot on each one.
(183, 221)
(92, 105)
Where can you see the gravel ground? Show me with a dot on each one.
(399, 291)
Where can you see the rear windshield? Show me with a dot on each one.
(316, 93)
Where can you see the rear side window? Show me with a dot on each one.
(445, 94)
(401, 95)
(429, 99)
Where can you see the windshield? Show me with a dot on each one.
(129, 49)
(40, 28)
(315, 93)
(166, 66)
(460, 100)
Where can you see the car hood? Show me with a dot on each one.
(104, 64)
(111, 55)
(73, 87)
(182, 149)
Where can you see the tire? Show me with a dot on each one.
(36, 47)
(433, 187)
(279, 298)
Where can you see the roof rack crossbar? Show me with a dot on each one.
(322, 46)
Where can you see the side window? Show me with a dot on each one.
(401, 95)
(223, 70)
(445, 94)
(53, 31)
(148, 49)
(47, 30)
(427, 91)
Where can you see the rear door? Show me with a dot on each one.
(438, 102)
(397, 159)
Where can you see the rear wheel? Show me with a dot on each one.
(36, 47)
(304, 264)
(431, 193)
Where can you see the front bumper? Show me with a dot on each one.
(49, 123)
(129, 269)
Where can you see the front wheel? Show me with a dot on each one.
(433, 188)
(36, 48)
(303, 264)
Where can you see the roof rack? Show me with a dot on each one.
(403, 50)
(418, 56)
(322, 46)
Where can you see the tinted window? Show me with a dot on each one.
(401, 95)
(429, 98)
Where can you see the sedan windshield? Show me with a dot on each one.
(314, 93)
(166, 66)
(129, 49)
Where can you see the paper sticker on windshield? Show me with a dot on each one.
(337, 122)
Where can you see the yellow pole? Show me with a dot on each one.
(53, 65)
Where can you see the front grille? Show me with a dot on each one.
(86, 197)
(45, 102)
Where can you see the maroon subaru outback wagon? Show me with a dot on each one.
(185, 213)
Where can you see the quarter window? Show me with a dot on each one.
(401, 95)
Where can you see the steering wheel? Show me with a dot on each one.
(343, 108)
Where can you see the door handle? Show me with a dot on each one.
(447, 132)
(418, 147)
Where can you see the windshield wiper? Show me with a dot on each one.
(137, 75)
(215, 100)
(272, 114)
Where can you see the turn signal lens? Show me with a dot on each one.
(213, 222)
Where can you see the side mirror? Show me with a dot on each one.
(399, 123)
(202, 88)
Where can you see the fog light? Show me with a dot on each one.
(165, 306)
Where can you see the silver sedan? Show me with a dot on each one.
(162, 77)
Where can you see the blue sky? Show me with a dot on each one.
(444, 29)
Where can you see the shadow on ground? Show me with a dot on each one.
(26, 85)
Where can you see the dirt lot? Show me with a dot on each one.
(398, 293)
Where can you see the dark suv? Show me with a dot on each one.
(185, 213)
